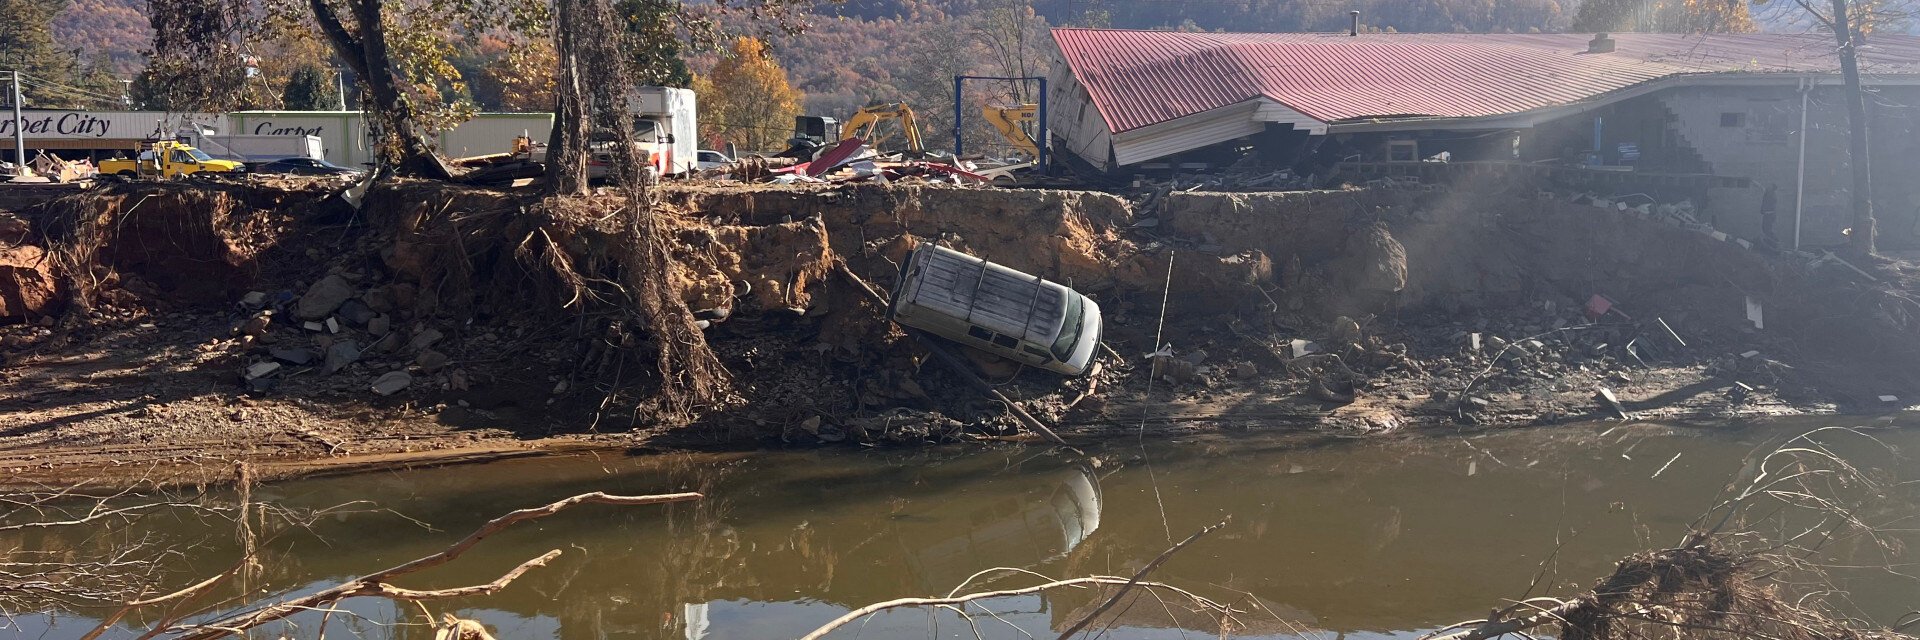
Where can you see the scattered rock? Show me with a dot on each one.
(1196, 357)
(341, 354)
(390, 343)
(1245, 370)
(254, 300)
(424, 339)
(379, 325)
(392, 382)
(356, 313)
(324, 297)
(432, 361)
(256, 326)
(1344, 330)
(457, 380)
(378, 300)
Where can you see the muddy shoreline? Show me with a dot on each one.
(160, 332)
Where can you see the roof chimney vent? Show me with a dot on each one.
(1354, 29)
(1600, 43)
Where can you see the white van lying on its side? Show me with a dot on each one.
(997, 310)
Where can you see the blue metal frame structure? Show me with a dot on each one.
(1040, 141)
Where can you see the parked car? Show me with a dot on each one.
(712, 160)
(998, 310)
(304, 167)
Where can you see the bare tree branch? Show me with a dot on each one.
(373, 584)
(1137, 576)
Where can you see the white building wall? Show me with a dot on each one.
(1072, 116)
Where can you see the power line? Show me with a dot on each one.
(55, 92)
(68, 91)
(48, 84)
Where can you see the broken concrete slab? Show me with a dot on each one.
(324, 297)
(292, 355)
(261, 369)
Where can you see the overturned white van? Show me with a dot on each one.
(997, 310)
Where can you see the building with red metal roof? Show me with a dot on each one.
(1120, 98)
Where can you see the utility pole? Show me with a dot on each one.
(19, 129)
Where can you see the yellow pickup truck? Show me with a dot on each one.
(167, 159)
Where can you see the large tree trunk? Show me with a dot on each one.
(567, 152)
(367, 54)
(1861, 241)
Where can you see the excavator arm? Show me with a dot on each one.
(865, 125)
(1007, 121)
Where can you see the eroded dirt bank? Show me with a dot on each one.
(155, 327)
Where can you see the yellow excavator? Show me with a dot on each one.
(865, 124)
(1011, 121)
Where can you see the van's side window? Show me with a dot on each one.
(1006, 341)
(980, 333)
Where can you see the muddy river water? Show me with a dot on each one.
(1328, 538)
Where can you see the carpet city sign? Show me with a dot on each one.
(72, 124)
(101, 124)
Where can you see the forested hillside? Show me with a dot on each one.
(115, 27)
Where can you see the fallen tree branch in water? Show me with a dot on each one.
(1137, 576)
(877, 607)
(374, 584)
(1125, 584)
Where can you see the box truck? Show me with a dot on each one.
(665, 127)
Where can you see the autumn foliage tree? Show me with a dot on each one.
(1665, 16)
(746, 100)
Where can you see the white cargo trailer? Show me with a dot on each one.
(255, 149)
(998, 310)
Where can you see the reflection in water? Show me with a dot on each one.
(1359, 539)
